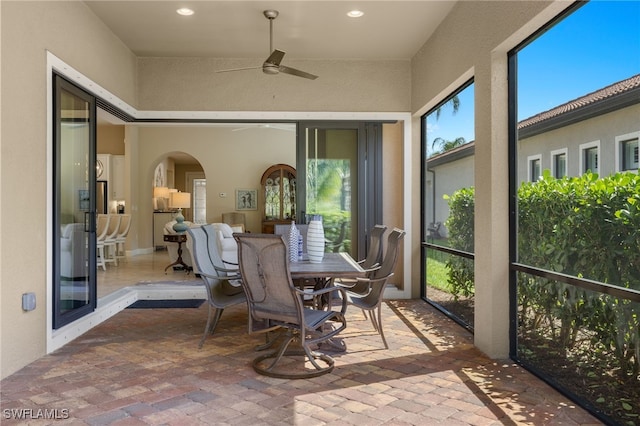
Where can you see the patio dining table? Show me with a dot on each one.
(333, 265)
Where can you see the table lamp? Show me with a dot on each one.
(161, 193)
(180, 200)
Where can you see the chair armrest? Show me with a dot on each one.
(226, 270)
(221, 278)
(373, 268)
(360, 262)
(316, 293)
(351, 282)
(373, 280)
(364, 286)
(236, 277)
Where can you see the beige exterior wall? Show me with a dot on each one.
(28, 30)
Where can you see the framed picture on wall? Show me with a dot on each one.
(246, 199)
(83, 199)
(159, 176)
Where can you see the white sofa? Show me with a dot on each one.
(226, 243)
(73, 241)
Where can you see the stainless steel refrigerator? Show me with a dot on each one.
(101, 197)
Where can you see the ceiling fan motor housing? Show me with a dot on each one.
(271, 14)
(270, 69)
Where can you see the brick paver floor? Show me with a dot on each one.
(143, 367)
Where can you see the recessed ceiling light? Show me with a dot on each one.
(185, 11)
(355, 13)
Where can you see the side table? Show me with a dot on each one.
(177, 238)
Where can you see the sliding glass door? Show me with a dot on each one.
(337, 179)
(74, 291)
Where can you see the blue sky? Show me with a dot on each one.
(595, 46)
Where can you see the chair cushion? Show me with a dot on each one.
(228, 245)
(237, 228)
(226, 230)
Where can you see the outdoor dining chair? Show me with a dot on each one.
(220, 293)
(370, 263)
(367, 294)
(275, 304)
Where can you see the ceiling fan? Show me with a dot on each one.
(272, 64)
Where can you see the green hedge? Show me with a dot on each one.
(583, 226)
(461, 231)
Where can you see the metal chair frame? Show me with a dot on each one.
(367, 293)
(220, 293)
(276, 304)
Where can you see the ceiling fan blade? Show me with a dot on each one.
(275, 58)
(240, 69)
(296, 72)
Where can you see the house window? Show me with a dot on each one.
(535, 168)
(200, 201)
(559, 163)
(629, 150)
(590, 157)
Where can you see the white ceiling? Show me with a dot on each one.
(306, 29)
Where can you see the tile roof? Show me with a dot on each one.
(588, 99)
(451, 152)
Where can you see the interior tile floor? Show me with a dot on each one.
(143, 367)
(145, 268)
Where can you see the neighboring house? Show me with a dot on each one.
(597, 132)
(446, 173)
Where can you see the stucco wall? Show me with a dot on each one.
(28, 29)
(191, 84)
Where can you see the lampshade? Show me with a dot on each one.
(180, 200)
(160, 192)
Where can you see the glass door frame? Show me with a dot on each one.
(368, 169)
(61, 319)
